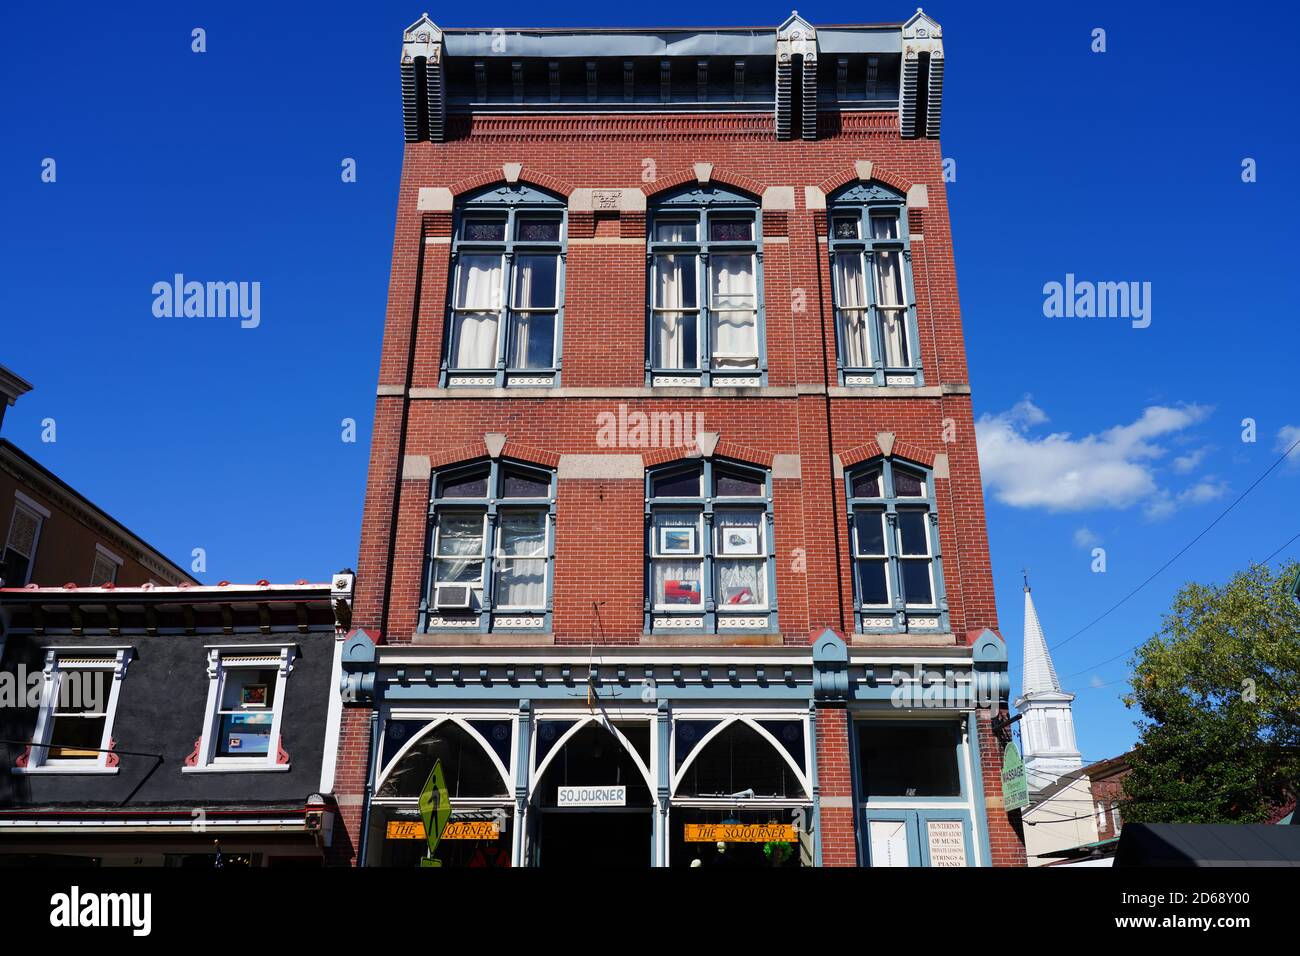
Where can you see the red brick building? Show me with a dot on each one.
(674, 546)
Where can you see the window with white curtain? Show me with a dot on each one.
(506, 297)
(705, 300)
(871, 287)
(708, 549)
(893, 529)
(491, 527)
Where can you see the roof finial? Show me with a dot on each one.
(1025, 572)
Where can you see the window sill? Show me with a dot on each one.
(232, 768)
(712, 639)
(467, 638)
(64, 771)
(902, 639)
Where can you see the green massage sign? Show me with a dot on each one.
(1015, 786)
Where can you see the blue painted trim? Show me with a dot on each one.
(814, 784)
(707, 505)
(862, 199)
(890, 504)
(507, 201)
(977, 784)
(701, 202)
(483, 619)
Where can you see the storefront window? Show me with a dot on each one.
(738, 762)
(466, 767)
(901, 760)
(740, 839)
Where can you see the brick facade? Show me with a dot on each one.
(801, 411)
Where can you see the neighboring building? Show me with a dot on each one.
(1046, 715)
(674, 550)
(161, 726)
(54, 536)
(1075, 820)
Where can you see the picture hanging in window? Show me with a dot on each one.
(681, 592)
(677, 541)
(740, 539)
(737, 595)
(252, 695)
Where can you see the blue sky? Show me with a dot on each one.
(1117, 166)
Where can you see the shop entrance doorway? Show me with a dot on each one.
(591, 804)
(594, 839)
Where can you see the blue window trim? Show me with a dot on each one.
(862, 199)
(486, 618)
(924, 809)
(708, 505)
(902, 616)
(507, 202)
(704, 202)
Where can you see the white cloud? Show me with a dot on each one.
(1095, 681)
(1084, 538)
(1112, 469)
(1287, 436)
(1185, 463)
(1164, 503)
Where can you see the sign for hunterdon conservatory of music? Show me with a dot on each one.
(1015, 786)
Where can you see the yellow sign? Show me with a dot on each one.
(464, 830)
(740, 833)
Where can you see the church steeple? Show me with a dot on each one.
(1047, 719)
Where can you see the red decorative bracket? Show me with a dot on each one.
(112, 760)
(283, 756)
(193, 759)
(26, 755)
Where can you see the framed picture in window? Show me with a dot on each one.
(681, 592)
(740, 539)
(252, 695)
(677, 540)
(737, 595)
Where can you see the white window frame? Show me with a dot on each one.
(222, 660)
(759, 559)
(111, 558)
(41, 514)
(61, 661)
(480, 556)
(500, 558)
(697, 556)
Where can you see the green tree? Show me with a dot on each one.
(1219, 691)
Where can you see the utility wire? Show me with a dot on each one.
(1160, 570)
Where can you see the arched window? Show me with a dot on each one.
(506, 296)
(490, 548)
(875, 306)
(468, 768)
(705, 309)
(709, 548)
(894, 532)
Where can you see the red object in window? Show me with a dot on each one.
(681, 592)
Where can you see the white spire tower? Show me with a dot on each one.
(1047, 720)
